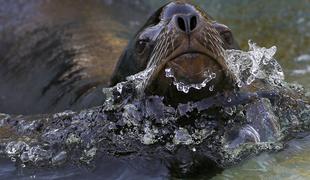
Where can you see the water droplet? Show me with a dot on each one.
(169, 72)
(119, 88)
(228, 99)
(13, 159)
(198, 86)
(229, 111)
(206, 73)
(211, 88)
(23, 165)
(250, 80)
(213, 75)
(185, 89)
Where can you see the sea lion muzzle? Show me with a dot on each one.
(187, 43)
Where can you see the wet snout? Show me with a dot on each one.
(190, 60)
(190, 52)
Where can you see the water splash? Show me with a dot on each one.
(131, 121)
(245, 67)
(257, 63)
(184, 87)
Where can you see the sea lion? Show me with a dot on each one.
(185, 40)
(227, 129)
(62, 65)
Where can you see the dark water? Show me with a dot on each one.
(285, 24)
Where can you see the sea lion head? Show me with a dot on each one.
(186, 47)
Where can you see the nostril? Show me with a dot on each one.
(181, 24)
(186, 23)
(193, 23)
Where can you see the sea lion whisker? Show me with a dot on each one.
(159, 52)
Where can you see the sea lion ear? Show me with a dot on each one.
(227, 36)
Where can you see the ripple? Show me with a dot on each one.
(303, 58)
(304, 71)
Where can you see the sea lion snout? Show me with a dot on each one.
(183, 45)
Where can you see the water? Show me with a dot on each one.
(268, 23)
(257, 63)
(292, 163)
(183, 87)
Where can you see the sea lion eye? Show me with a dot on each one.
(141, 46)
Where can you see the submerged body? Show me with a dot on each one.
(169, 110)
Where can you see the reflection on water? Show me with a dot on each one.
(285, 24)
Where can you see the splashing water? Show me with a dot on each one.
(257, 63)
(128, 126)
(146, 120)
(183, 87)
(245, 67)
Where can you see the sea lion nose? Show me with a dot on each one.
(186, 23)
